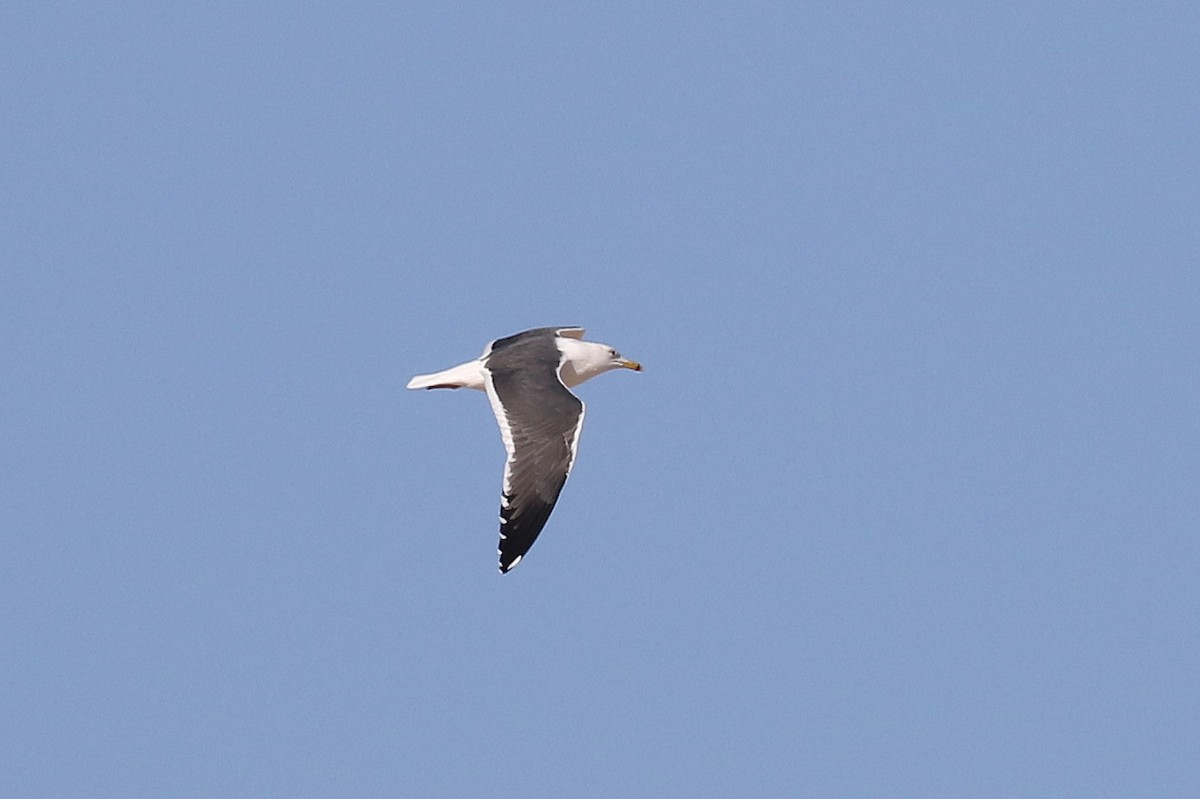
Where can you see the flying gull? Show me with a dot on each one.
(528, 377)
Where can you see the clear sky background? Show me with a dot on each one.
(906, 502)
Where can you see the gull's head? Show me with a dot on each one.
(614, 360)
(584, 360)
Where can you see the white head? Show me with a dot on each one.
(583, 360)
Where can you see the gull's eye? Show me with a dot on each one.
(613, 352)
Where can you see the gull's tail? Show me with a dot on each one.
(465, 375)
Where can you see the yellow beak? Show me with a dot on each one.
(628, 364)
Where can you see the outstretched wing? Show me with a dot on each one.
(540, 421)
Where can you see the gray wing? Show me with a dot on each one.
(540, 421)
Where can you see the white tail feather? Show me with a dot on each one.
(465, 375)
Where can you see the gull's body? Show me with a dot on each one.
(528, 377)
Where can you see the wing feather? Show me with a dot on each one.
(540, 422)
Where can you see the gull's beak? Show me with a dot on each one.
(628, 364)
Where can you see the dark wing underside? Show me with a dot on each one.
(539, 421)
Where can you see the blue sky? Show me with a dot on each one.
(904, 504)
